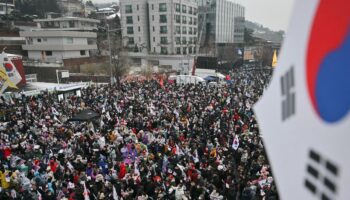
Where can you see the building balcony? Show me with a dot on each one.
(59, 34)
(59, 47)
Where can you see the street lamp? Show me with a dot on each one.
(110, 50)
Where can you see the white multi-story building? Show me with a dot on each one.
(6, 6)
(61, 38)
(135, 23)
(166, 27)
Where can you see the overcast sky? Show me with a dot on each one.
(274, 14)
(271, 13)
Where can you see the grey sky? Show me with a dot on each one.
(271, 13)
(274, 14)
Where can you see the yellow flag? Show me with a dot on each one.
(5, 79)
(274, 59)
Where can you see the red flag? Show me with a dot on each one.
(161, 82)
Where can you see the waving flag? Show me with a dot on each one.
(274, 59)
(9, 76)
(86, 193)
(5, 80)
(115, 195)
(235, 143)
(304, 114)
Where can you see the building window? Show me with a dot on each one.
(190, 20)
(162, 7)
(68, 40)
(30, 41)
(153, 29)
(184, 30)
(163, 29)
(91, 41)
(184, 50)
(184, 40)
(194, 11)
(162, 18)
(152, 17)
(164, 50)
(178, 50)
(190, 10)
(194, 50)
(163, 40)
(178, 29)
(131, 41)
(128, 8)
(130, 30)
(137, 7)
(194, 21)
(138, 18)
(189, 49)
(82, 52)
(177, 18)
(178, 40)
(129, 20)
(152, 7)
(184, 19)
(184, 9)
(154, 39)
(190, 30)
(71, 24)
(48, 53)
(177, 7)
(139, 28)
(154, 50)
(39, 39)
(194, 31)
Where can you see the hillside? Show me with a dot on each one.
(265, 33)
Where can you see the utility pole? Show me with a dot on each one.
(110, 54)
(110, 51)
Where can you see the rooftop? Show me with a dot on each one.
(68, 19)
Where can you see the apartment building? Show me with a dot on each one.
(164, 27)
(221, 23)
(61, 38)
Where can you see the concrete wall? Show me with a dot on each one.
(89, 66)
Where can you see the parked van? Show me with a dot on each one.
(187, 79)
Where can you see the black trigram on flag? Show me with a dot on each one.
(321, 177)
(288, 94)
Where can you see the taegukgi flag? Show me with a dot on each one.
(304, 114)
(11, 72)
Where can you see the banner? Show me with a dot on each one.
(304, 114)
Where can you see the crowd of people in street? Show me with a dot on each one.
(151, 141)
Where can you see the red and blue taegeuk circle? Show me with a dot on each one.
(328, 60)
(8, 67)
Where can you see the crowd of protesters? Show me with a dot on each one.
(152, 141)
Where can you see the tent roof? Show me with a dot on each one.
(85, 115)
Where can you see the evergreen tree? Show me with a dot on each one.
(37, 7)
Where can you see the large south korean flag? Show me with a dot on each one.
(304, 114)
